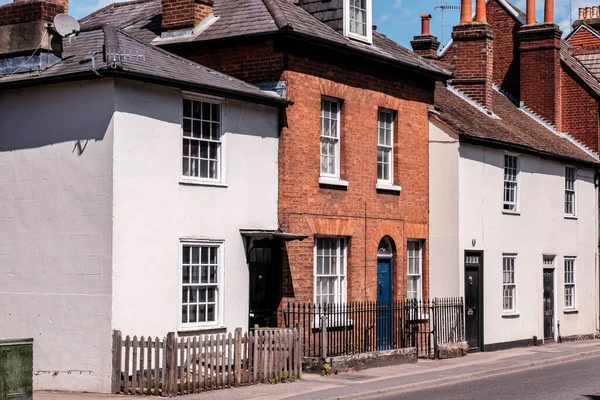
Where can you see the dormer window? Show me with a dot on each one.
(358, 16)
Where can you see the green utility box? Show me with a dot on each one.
(16, 369)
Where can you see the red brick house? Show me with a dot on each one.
(353, 158)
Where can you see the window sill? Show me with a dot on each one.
(196, 182)
(386, 187)
(511, 315)
(571, 311)
(360, 38)
(333, 182)
(570, 216)
(191, 329)
(508, 212)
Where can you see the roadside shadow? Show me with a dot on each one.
(591, 396)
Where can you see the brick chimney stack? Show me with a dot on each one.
(589, 15)
(473, 54)
(185, 14)
(539, 53)
(26, 42)
(425, 44)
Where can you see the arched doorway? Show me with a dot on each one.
(385, 253)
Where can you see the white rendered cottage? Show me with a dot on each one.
(514, 223)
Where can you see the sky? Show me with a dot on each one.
(398, 19)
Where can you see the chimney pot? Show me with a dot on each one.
(588, 13)
(549, 11)
(480, 11)
(595, 13)
(466, 8)
(425, 24)
(530, 12)
(581, 12)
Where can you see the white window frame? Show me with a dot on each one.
(508, 206)
(341, 275)
(220, 180)
(369, 36)
(507, 285)
(419, 275)
(218, 322)
(569, 284)
(572, 191)
(383, 147)
(323, 137)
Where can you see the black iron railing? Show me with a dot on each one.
(360, 327)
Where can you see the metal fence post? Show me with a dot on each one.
(324, 337)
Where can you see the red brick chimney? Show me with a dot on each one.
(425, 44)
(64, 3)
(473, 54)
(185, 14)
(539, 53)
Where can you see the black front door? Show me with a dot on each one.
(548, 304)
(474, 300)
(264, 284)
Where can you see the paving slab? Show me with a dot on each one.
(376, 382)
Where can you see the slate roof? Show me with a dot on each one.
(142, 19)
(118, 53)
(591, 62)
(513, 129)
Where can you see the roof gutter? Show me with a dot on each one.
(266, 100)
(465, 138)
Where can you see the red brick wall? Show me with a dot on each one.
(360, 211)
(25, 11)
(584, 38)
(179, 14)
(506, 53)
(539, 47)
(473, 61)
(254, 62)
(580, 110)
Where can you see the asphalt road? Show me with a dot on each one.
(567, 381)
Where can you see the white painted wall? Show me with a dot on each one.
(152, 210)
(444, 259)
(56, 230)
(540, 229)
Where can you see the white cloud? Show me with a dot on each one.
(384, 17)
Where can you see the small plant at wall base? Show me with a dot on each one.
(452, 350)
(326, 370)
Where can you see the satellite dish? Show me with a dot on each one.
(66, 25)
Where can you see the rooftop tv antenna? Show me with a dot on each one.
(570, 14)
(66, 25)
(443, 7)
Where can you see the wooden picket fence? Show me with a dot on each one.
(183, 365)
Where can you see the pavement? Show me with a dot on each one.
(387, 381)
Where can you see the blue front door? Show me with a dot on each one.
(384, 298)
